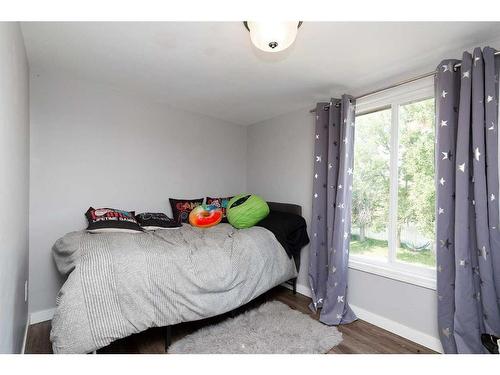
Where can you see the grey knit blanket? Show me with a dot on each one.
(119, 284)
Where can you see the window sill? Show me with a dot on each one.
(406, 274)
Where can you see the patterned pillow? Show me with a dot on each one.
(152, 221)
(111, 220)
(221, 203)
(182, 207)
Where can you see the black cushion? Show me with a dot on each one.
(111, 219)
(222, 203)
(150, 220)
(182, 207)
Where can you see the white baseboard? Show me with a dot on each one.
(23, 347)
(41, 316)
(399, 329)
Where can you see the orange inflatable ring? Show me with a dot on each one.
(205, 216)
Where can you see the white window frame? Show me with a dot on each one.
(390, 268)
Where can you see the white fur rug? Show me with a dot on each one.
(271, 328)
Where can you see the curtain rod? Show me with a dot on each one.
(401, 83)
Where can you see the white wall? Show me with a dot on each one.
(280, 168)
(92, 144)
(14, 180)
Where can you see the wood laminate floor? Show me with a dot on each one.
(359, 337)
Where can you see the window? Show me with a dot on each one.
(393, 214)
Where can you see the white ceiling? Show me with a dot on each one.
(211, 67)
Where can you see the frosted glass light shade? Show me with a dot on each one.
(273, 36)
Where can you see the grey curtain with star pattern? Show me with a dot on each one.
(467, 233)
(331, 210)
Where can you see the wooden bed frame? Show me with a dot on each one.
(274, 206)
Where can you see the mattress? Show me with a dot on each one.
(119, 284)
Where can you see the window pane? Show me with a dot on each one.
(416, 191)
(370, 203)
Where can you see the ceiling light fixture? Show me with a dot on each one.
(271, 36)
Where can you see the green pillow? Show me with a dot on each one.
(246, 210)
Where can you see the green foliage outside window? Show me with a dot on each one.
(416, 189)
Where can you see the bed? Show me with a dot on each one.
(119, 284)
